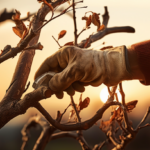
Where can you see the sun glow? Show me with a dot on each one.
(104, 95)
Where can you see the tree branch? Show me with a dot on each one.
(144, 118)
(11, 109)
(78, 126)
(105, 17)
(75, 109)
(75, 24)
(122, 94)
(47, 131)
(105, 32)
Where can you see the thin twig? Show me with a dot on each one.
(112, 93)
(116, 97)
(105, 17)
(77, 8)
(65, 11)
(108, 88)
(122, 127)
(122, 94)
(99, 35)
(75, 24)
(56, 41)
(146, 125)
(64, 113)
(75, 109)
(144, 118)
(81, 31)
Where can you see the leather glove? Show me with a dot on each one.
(76, 67)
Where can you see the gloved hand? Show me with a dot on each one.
(76, 67)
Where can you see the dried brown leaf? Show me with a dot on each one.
(105, 126)
(84, 18)
(85, 103)
(72, 113)
(131, 105)
(48, 4)
(117, 115)
(95, 20)
(61, 34)
(20, 28)
(16, 16)
(106, 47)
(102, 27)
(69, 43)
(88, 21)
(17, 31)
(39, 1)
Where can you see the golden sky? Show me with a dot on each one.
(135, 13)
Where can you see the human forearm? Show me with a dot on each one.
(139, 61)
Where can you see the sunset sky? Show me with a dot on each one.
(135, 13)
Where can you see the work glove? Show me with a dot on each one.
(76, 68)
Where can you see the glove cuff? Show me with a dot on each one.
(117, 66)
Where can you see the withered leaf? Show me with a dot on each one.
(61, 34)
(102, 27)
(39, 1)
(105, 125)
(20, 28)
(72, 113)
(95, 20)
(69, 43)
(48, 4)
(84, 18)
(1, 52)
(106, 47)
(88, 21)
(85, 103)
(16, 16)
(17, 31)
(131, 105)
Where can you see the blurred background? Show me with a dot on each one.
(135, 13)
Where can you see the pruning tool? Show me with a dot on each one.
(43, 80)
